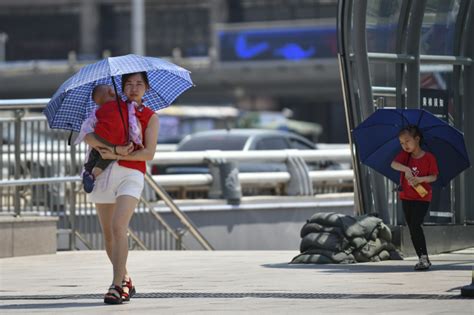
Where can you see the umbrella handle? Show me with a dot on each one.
(120, 109)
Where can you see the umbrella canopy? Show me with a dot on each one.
(72, 102)
(377, 142)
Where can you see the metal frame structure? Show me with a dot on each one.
(354, 61)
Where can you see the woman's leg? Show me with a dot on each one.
(105, 213)
(124, 207)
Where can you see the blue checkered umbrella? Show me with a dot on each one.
(72, 102)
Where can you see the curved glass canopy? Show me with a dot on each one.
(409, 54)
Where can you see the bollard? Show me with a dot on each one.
(468, 290)
(300, 183)
(225, 180)
(215, 191)
(230, 183)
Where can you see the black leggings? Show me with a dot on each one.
(415, 212)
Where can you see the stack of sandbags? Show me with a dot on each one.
(338, 238)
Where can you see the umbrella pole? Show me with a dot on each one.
(120, 109)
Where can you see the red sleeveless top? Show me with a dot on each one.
(143, 114)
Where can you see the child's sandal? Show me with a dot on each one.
(88, 180)
(126, 296)
(112, 297)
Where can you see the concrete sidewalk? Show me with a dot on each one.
(184, 282)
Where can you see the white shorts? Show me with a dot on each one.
(117, 181)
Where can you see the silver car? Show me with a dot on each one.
(245, 140)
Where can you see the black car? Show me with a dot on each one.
(243, 140)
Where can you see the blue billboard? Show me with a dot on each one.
(277, 43)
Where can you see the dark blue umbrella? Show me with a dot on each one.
(72, 102)
(377, 142)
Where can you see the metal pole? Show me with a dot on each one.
(363, 96)
(72, 206)
(413, 48)
(18, 117)
(138, 27)
(468, 82)
(400, 81)
(218, 14)
(373, 187)
(401, 49)
(461, 40)
(344, 18)
(89, 23)
(181, 215)
(3, 43)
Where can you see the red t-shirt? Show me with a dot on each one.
(109, 125)
(423, 166)
(143, 114)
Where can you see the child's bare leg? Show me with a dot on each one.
(96, 172)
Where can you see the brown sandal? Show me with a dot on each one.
(114, 297)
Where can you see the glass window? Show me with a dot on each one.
(436, 84)
(272, 10)
(190, 32)
(300, 145)
(272, 144)
(382, 74)
(39, 32)
(382, 25)
(439, 21)
(214, 142)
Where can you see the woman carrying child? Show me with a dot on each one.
(118, 189)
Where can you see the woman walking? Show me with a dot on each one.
(118, 189)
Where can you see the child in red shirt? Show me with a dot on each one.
(107, 126)
(418, 169)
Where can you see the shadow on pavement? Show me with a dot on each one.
(62, 305)
(369, 268)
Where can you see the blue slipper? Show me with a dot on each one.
(88, 180)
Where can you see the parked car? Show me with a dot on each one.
(178, 121)
(242, 140)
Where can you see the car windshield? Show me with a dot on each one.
(215, 142)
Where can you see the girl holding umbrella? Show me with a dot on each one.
(418, 169)
(433, 153)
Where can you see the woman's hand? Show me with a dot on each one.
(147, 152)
(106, 154)
(124, 150)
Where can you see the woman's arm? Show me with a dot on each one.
(145, 154)
(121, 150)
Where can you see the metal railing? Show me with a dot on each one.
(39, 175)
(201, 157)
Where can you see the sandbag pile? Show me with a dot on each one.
(329, 238)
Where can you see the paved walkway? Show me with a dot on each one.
(228, 282)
